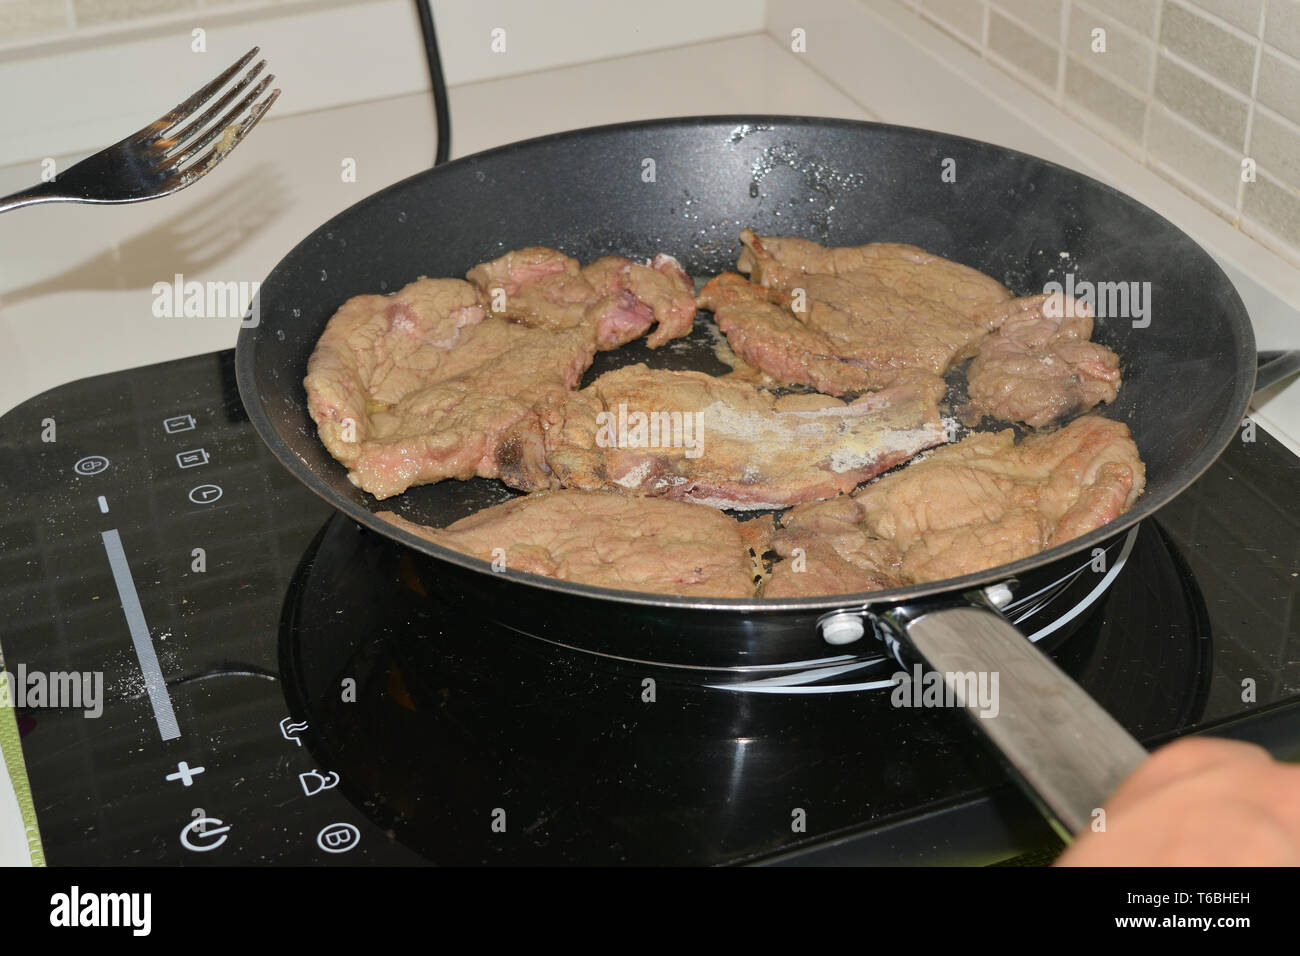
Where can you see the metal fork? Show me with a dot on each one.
(160, 158)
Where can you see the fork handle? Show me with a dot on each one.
(41, 192)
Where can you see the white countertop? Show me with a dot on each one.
(75, 281)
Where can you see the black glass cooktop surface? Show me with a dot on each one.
(279, 685)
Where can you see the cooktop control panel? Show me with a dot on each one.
(147, 544)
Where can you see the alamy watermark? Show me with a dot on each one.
(181, 299)
(76, 908)
(977, 690)
(1114, 300)
(74, 690)
(676, 429)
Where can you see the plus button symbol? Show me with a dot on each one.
(184, 773)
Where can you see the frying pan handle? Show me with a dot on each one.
(1068, 753)
(1275, 366)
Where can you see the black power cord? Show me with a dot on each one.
(441, 115)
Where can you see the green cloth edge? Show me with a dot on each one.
(17, 767)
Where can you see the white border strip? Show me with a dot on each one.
(144, 649)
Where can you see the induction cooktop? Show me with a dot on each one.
(233, 673)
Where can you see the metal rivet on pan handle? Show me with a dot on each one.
(842, 627)
(999, 595)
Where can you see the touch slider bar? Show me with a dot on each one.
(144, 650)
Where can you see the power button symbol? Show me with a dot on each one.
(204, 834)
(338, 838)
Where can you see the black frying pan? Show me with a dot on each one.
(687, 187)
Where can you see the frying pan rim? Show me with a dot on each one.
(1217, 441)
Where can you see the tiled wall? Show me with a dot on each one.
(27, 22)
(1192, 88)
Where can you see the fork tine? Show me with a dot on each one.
(166, 122)
(182, 178)
(176, 160)
(163, 144)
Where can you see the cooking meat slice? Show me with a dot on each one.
(844, 319)
(420, 385)
(967, 507)
(618, 298)
(772, 339)
(829, 554)
(608, 540)
(1039, 366)
(723, 442)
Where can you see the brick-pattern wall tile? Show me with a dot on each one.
(1275, 146)
(1174, 88)
(1275, 207)
(1240, 13)
(1127, 56)
(1043, 17)
(1282, 27)
(1023, 50)
(1214, 110)
(1177, 147)
(1279, 86)
(964, 19)
(1214, 49)
(1138, 14)
(1104, 100)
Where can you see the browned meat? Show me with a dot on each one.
(418, 386)
(834, 557)
(848, 319)
(609, 540)
(618, 298)
(772, 339)
(964, 508)
(1039, 366)
(722, 442)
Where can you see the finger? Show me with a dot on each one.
(1182, 759)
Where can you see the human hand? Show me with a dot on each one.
(1200, 801)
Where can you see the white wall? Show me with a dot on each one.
(80, 93)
